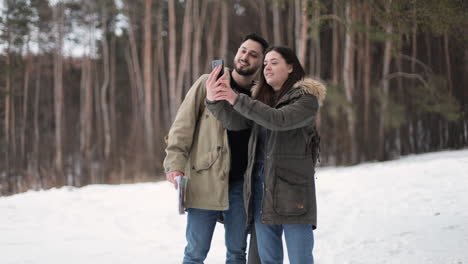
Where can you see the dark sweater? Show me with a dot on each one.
(238, 143)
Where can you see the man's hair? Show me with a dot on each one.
(257, 38)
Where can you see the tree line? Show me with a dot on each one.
(396, 73)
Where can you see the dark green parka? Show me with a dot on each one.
(291, 150)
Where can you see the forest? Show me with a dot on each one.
(88, 89)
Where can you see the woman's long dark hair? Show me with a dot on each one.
(265, 92)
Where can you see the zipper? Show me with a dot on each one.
(264, 173)
(263, 196)
(251, 161)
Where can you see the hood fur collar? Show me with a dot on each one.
(308, 86)
(314, 87)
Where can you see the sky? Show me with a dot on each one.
(411, 210)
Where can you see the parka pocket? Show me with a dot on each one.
(290, 194)
(206, 160)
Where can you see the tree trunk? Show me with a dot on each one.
(112, 95)
(37, 135)
(367, 73)
(348, 80)
(174, 99)
(400, 96)
(25, 106)
(211, 35)
(335, 47)
(86, 120)
(135, 62)
(58, 91)
(264, 20)
(290, 26)
(276, 24)
(360, 39)
(105, 87)
(414, 41)
(359, 83)
(223, 46)
(348, 69)
(161, 66)
(199, 21)
(399, 66)
(408, 142)
(99, 141)
(185, 56)
(302, 46)
(159, 112)
(297, 24)
(447, 61)
(136, 109)
(428, 49)
(318, 48)
(138, 133)
(385, 87)
(86, 114)
(131, 78)
(148, 84)
(315, 62)
(7, 119)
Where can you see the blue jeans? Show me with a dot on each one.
(201, 224)
(299, 238)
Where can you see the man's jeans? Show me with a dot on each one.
(201, 224)
(299, 238)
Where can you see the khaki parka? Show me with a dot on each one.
(291, 150)
(197, 145)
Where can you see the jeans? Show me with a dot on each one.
(299, 238)
(201, 224)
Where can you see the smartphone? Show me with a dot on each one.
(216, 63)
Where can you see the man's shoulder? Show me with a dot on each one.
(200, 82)
(203, 78)
(197, 87)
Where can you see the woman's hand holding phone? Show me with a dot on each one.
(219, 89)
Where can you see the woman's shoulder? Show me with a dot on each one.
(313, 87)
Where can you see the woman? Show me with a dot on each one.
(279, 185)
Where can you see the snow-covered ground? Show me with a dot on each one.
(412, 210)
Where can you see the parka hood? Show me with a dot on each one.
(307, 86)
(314, 87)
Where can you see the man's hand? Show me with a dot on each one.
(170, 176)
(213, 84)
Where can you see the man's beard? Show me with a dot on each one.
(245, 72)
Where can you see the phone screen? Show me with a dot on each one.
(215, 63)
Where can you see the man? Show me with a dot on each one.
(214, 160)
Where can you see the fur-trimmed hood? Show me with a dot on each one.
(308, 86)
(314, 87)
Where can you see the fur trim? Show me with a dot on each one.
(308, 86)
(314, 87)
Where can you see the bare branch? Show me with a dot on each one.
(406, 75)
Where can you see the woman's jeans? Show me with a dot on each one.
(201, 224)
(299, 238)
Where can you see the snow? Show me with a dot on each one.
(412, 210)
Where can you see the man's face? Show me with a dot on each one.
(249, 57)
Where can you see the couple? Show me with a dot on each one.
(249, 157)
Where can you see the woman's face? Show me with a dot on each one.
(276, 69)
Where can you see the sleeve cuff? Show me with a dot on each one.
(237, 101)
(211, 102)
